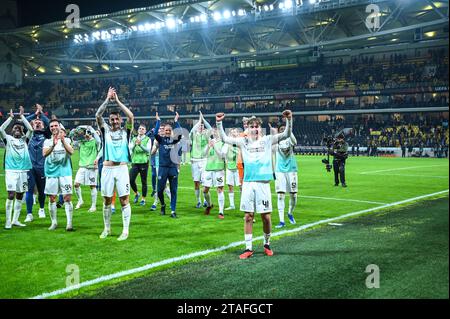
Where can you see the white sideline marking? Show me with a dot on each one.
(209, 251)
(409, 175)
(400, 169)
(343, 199)
(319, 197)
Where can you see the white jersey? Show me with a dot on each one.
(17, 157)
(256, 154)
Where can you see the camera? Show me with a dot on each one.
(329, 142)
(328, 166)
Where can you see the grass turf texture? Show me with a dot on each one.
(409, 246)
(34, 260)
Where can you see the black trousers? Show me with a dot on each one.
(339, 171)
(139, 169)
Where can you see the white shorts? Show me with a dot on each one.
(86, 176)
(286, 182)
(256, 197)
(214, 179)
(16, 181)
(58, 185)
(233, 178)
(115, 175)
(198, 169)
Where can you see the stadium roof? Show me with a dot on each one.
(188, 31)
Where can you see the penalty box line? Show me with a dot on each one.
(232, 245)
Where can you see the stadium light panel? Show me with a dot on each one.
(288, 4)
(170, 23)
(96, 35)
(241, 12)
(233, 13)
(105, 35)
(281, 6)
(197, 18)
(226, 14)
(147, 27)
(203, 17)
(217, 16)
(134, 28)
(119, 31)
(141, 27)
(192, 19)
(266, 7)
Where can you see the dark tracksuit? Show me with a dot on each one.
(168, 170)
(340, 153)
(36, 176)
(151, 135)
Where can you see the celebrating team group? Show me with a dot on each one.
(38, 153)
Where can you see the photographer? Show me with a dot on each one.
(339, 151)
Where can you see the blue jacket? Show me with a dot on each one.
(36, 143)
(166, 146)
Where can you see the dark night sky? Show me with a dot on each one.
(32, 12)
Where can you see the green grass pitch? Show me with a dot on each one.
(34, 260)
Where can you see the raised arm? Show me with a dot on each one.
(223, 136)
(287, 132)
(26, 123)
(102, 108)
(126, 110)
(195, 127)
(5, 125)
(205, 122)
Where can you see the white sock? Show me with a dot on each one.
(167, 191)
(292, 203)
(34, 199)
(281, 205)
(52, 209)
(221, 197)
(155, 202)
(248, 241)
(93, 197)
(126, 218)
(69, 213)
(267, 239)
(107, 217)
(9, 209)
(207, 197)
(197, 195)
(17, 209)
(231, 197)
(78, 193)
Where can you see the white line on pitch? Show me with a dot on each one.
(232, 245)
(343, 199)
(401, 169)
(319, 197)
(409, 175)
